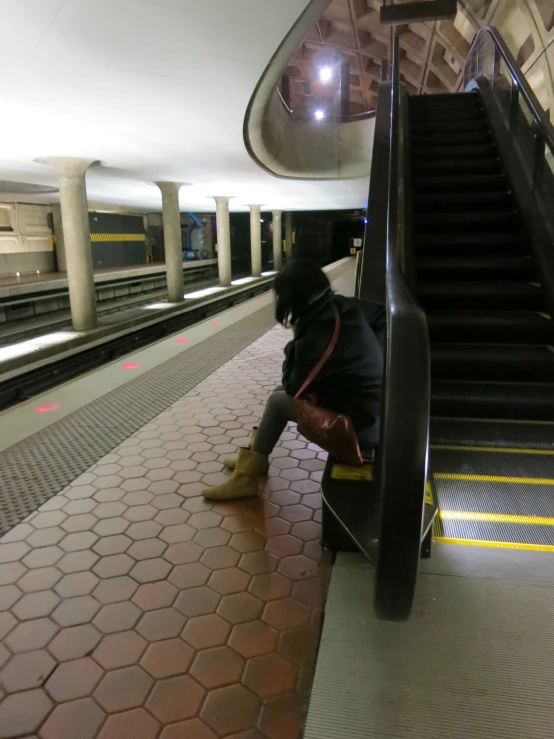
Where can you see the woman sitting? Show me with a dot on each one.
(349, 382)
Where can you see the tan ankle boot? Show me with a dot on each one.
(231, 462)
(245, 482)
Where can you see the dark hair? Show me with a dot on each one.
(296, 287)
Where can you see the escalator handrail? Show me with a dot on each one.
(544, 126)
(406, 396)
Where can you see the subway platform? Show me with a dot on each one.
(129, 605)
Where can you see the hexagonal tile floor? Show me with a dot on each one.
(131, 607)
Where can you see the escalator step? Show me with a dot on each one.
(422, 168)
(463, 201)
(464, 244)
(491, 327)
(434, 116)
(451, 127)
(465, 151)
(481, 295)
(501, 400)
(461, 183)
(465, 268)
(431, 138)
(506, 363)
(499, 221)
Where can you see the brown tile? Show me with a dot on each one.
(250, 734)
(299, 647)
(314, 550)
(122, 689)
(230, 709)
(120, 650)
(286, 614)
(298, 567)
(147, 549)
(173, 517)
(270, 676)
(115, 589)
(248, 541)
(9, 595)
(78, 719)
(220, 557)
(167, 658)
(282, 718)
(229, 581)
(116, 544)
(110, 510)
(162, 624)
(257, 563)
(82, 522)
(197, 601)
(31, 635)
(77, 561)
(36, 605)
(253, 639)
(271, 586)
(272, 527)
(175, 699)
(43, 556)
(240, 608)
(193, 729)
(45, 537)
(117, 617)
(206, 631)
(214, 668)
(239, 523)
(114, 565)
(205, 520)
(140, 513)
(152, 596)
(150, 570)
(309, 592)
(74, 679)
(79, 541)
(75, 611)
(284, 546)
(23, 713)
(74, 642)
(212, 537)
(189, 576)
(135, 724)
(26, 671)
(284, 497)
(111, 526)
(183, 553)
(79, 583)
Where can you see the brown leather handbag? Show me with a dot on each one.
(330, 430)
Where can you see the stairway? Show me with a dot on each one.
(491, 335)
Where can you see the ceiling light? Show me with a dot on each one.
(319, 115)
(325, 74)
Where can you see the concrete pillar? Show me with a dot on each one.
(223, 239)
(277, 240)
(57, 224)
(172, 240)
(256, 239)
(288, 234)
(76, 237)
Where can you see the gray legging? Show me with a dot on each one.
(278, 411)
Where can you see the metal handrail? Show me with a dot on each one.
(544, 126)
(332, 119)
(406, 395)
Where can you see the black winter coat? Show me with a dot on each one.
(350, 382)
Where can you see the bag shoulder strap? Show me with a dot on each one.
(325, 356)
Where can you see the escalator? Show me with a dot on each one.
(488, 313)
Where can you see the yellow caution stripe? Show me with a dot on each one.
(493, 478)
(496, 518)
(496, 544)
(491, 449)
(117, 237)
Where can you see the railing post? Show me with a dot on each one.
(540, 148)
(514, 108)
